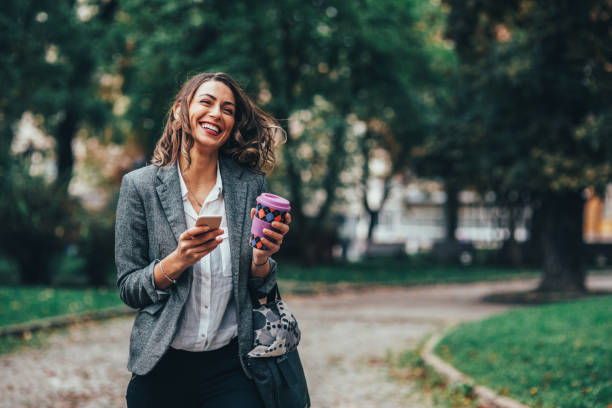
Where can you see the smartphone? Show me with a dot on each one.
(213, 222)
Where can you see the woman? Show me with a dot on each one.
(191, 284)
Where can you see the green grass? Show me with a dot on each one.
(549, 356)
(398, 272)
(409, 367)
(22, 304)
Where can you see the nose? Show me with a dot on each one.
(215, 110)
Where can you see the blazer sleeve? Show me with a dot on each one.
(134, 267)
(263, 286)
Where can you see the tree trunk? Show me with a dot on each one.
(335, 162)
(34, 270)
(373, 222)
(65, 157)
(562, 242)
(374, 214)
(511, 253)
(365, 176)
(451, 211)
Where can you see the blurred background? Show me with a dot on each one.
(464, 132)
(429, 142)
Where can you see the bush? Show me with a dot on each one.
(96, 246)
(9, 271)
(37, 222)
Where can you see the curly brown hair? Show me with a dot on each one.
(251, 143)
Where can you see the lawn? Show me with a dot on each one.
(549, 356)
(22, 304)
(398, 272)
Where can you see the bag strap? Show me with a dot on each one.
(271, 297)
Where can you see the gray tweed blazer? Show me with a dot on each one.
(150, 218)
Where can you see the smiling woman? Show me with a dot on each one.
(211, 115)
(253, 140)
(193, 332)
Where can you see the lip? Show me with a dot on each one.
(210, 132)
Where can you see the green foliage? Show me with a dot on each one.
(48, 237)
(36, 222)
(333, 62)
(530, 115)
(23, 304)
(9, 271)
(97, 246)
(552, 67)
(69, 270)
(50, 59)
(550, 356)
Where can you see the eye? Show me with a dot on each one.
(205, 101)
(229, 111)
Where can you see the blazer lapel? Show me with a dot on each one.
(169, 192)
(234, 194)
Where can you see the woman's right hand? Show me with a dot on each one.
(195, 243)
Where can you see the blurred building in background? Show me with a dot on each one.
(413, 217)
(414, 214)
(598, 217)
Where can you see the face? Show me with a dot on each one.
(211, 115)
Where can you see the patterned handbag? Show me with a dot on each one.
(274, 361)
(275, 329)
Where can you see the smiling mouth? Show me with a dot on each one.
(210, 128)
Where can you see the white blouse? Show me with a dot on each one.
(208, 320)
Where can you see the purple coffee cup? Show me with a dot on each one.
(269, 208)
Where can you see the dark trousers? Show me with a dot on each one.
(208, 379)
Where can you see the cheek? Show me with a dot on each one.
(227, 136)
(230, 127)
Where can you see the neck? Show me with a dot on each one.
(202, 170)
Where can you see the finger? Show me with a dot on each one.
(272, 234)
(208, 246)
(252, 213)
(192, 232)
(288, 218)
(281, 227)
(272, 246)
(203, 238)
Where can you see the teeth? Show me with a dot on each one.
(210, 127)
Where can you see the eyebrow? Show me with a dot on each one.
(214, 98)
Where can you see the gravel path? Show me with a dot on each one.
(345, 340)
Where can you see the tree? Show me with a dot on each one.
(306, 55)
(50, 63)
(405, 73)
(539, 78)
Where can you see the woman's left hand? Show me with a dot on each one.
(272, 239)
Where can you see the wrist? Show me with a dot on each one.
(173, 265)
(260, 260)
(165, 274)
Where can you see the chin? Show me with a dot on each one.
(206, 144)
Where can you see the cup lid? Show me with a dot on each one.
(274, 201)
